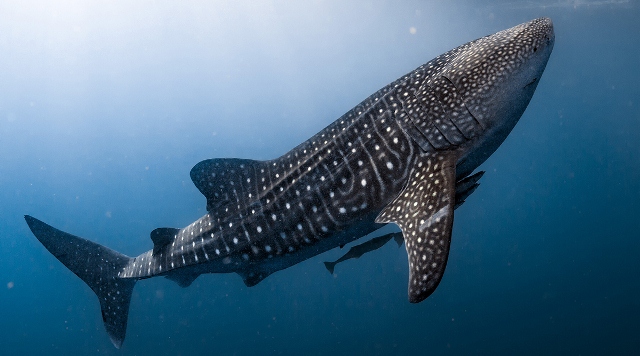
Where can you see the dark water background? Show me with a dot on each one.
(106, 106)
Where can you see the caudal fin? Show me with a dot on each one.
(98, 267)
(330, 266)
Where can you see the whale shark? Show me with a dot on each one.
(405, 155)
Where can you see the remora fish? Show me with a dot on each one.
(365, 247)
(403, 155)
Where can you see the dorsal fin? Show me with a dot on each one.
(161, 237)
(224, 180)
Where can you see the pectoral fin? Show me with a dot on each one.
(424, 212)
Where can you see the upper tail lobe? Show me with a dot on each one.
(98, 267)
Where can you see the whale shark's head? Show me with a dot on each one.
(497, 76)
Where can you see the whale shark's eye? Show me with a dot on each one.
(535, 49)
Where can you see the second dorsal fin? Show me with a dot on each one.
(162, 236)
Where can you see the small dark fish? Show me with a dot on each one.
(358, 250)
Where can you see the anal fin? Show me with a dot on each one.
(424, 212)
(182, 279)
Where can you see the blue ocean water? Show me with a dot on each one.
(106, 106)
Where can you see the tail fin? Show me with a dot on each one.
(98, 267)
(330, 266)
